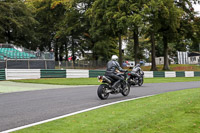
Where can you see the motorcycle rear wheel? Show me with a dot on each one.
(101, 91)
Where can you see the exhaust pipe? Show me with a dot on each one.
(106, 79)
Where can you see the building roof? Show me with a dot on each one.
(193, 54)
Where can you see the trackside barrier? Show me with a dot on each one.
(158, 74)
(95, 73)
(2, 74)
(152, 74)
(77, 73)
(12, 74)
(180, 74)
(53, 73)
(148, 74)
(189, 74)
(197, 74)
(170, 74)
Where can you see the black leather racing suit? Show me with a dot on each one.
(111, 71)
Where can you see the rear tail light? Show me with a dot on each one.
(100, 77)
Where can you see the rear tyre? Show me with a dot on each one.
(102, 92)
(126, 89)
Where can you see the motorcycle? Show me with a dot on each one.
(134, 79)
(106, 88)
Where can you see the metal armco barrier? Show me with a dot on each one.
(2, 74)
(53, 73)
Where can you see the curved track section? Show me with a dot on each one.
(22, 108)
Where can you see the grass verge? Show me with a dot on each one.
(93, 81)
(173, 112)
(175, 67)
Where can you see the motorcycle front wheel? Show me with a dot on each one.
(140, 82)
(101, 91)
(126, 89)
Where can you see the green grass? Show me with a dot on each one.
(62, 81)
(175, 67)
(93, 81)
(166, 80)
(173, 112)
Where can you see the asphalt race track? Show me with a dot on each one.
(22, 108)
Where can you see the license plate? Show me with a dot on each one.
(100, 80)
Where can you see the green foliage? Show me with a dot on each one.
(92, 25)
(48, 13)
(105, 49)
(16, 23)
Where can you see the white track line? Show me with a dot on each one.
(78, 112)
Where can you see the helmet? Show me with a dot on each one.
(138, 65)
(114, 57)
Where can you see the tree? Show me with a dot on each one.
(169, 19)
(16, 23)
(48, 13)
(152, 26)
(110, 18)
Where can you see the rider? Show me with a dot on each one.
(112, 66)
(137, 70)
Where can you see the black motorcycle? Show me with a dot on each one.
(105, 89)
(135, 79)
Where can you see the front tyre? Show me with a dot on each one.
(102, 91)
(141, 82)
(126, 90)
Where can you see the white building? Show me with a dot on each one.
(194, 58)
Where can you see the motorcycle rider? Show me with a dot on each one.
(112, 66)
(137, 70)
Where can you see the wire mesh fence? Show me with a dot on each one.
(27, 64)
(50, 64)
(80, 64)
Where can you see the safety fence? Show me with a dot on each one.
(27, 64)
(12, 74)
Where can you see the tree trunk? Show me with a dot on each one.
(136, 44)
(61, 49)
(153, 54)
(56, 50)
(66, 52)
(120, 50)
(73, 52)
(166, 62)
(8, 36)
